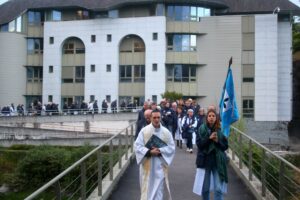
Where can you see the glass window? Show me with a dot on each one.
(193, 44)
(108, 38)
(206, 12)
(93, 68)
(50, 69)
(34, 18)
(51, 40)
(170, 12)
(160, 10)
(79, 74)
(34, 46)
(56, 15)
(154, 67)
(12, 26)
(29, 74)
(185, 42)
(154, 36)
(178, 13)
(125, 73)
(93, 38)
(182, 73)
(4, 28)
(113, 14)
(248, 108)
(181, 42)
(193, 13)
(154, 98)
(185, 73)
(19, 24)
(108, 68)
(177, 41)
(177, 73)
(185, 13)
(200, 12)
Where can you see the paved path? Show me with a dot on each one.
(182, 173)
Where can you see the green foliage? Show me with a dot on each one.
(172, 96)
(296, 37)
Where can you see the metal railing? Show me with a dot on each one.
(69, 111)
(87, 174)
(278, 177)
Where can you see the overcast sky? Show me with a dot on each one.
(297, 2)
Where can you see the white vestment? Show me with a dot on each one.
(154, 169)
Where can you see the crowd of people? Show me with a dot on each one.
(36, 108)
(180, 122)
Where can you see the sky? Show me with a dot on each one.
(297, 2)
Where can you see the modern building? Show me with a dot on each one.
(134, 50)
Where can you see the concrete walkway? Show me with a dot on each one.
(182, 173)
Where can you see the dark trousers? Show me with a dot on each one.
(189, 141)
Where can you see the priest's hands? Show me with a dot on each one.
(155, 152)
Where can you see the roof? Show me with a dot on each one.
(260, 6)
(13, 8)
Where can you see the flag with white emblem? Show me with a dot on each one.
(228, 108)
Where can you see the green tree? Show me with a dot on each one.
(172, 96)
(296, 37)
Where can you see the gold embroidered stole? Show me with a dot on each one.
(148, 132)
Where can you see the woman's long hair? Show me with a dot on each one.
(217, 124)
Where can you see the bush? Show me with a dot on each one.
(39, 166)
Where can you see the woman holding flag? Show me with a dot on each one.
(211, 159)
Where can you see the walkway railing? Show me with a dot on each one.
(87, 174)
(279, 179)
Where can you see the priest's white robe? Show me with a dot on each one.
(154, 169)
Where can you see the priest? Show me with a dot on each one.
(154, 160)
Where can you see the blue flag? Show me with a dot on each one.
(228, 108)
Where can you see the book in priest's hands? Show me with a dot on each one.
(156, 142)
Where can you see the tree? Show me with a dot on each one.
(172, 96)
(296, 37)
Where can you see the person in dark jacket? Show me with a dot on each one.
(211, 159)
(95, 107)
(113, 106)
(142, 123)
(104, 106)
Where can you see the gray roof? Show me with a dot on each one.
(13, 8)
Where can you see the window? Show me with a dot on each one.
(92, 97)
(113, 14)
(154, 98)
(51, 40)
(154, 67)
(69, 48)
(34, 46)
(108, 38)
(50, 69)
(34, 74)
(92, 68)
(108, 68)
(79, 74)
(125, 73)
(82, 14)
(178, 42)
(12, 26)
(248, 79)
(4, 28)
(187, 13)
(93, 38)
(50, 98)
(108, 98)
(135, 73)
(160, 9)
(154, 36)
(139, 73)
(248, 73)
(56, 15)
(34, 18)
(181, 73)
(248, 108)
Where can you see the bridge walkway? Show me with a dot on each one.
(181, 173)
